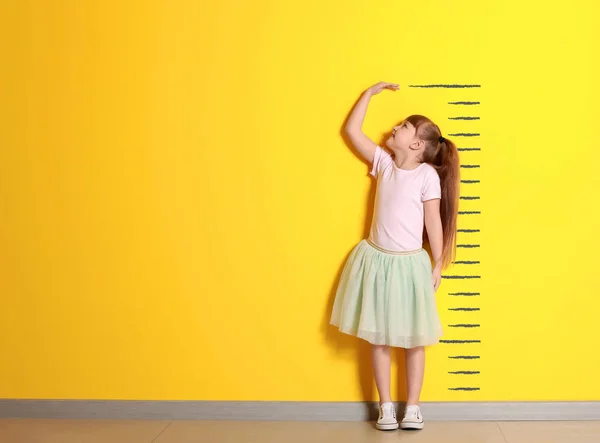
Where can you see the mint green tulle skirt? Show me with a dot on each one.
(387, 298)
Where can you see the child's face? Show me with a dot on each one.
(402, 136)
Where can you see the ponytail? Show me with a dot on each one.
(449, 171)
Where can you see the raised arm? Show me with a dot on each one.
(364, 145)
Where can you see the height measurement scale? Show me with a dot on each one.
(462, 339)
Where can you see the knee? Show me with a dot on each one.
(416, 349)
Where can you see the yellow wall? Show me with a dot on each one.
(177, 201)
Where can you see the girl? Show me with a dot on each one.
(386, 293)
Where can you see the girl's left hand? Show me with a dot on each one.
(437, 277)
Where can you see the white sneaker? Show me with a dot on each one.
(412, 418)
(387, 417)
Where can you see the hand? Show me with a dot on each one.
(437, 277)
(377, 88)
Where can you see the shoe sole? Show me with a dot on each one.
(390, 427)
(412, 426)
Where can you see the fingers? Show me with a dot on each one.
(387, 85)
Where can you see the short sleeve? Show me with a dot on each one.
(431, 185)
(381, 159)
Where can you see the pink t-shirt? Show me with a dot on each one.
(398, 219)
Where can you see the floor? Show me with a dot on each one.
(164, 431)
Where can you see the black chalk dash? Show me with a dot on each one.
(464, 118)
(464, 262)
(464, 389)
(465, 325)
(469, 182)
(465, 294)
(469, 230)
(465, 134)
(468, 197)
(469, 149)
(461, 277)
(446, 86)
(470, 166)
(464, 103)
(469, 212)
(465, 357)
(467, 246)
(459, 342)
(465, 372)
(464, 309)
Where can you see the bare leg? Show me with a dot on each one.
(415, 371)
(382, 362)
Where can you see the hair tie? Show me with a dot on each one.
(442, 139)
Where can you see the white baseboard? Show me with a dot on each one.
(271, 410)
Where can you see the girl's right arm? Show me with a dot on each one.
(364, 145)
